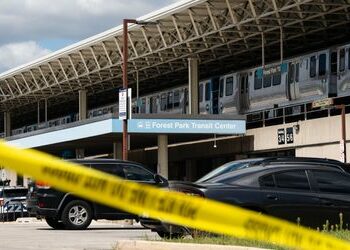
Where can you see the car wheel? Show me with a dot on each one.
(77, 215)
(167, 235)
(54, 223)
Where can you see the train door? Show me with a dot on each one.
(243, 92)
(293, 81)
(215, 83)
(334, 74)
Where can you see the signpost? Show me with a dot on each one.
(123, 99)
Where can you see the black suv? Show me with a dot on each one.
(67, 211)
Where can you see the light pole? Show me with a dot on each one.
(125, 83)
(125, 77)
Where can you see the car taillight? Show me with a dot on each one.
(41, 204)
(42, 184)
(1, 201)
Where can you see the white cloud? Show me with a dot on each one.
(15, 54)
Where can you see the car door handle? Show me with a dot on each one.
(272, 197)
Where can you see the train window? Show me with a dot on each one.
(313, 66)
(257, 81)
(143, 106)
(297, 72)
(291, 73)
(229, 86)
(322, 65)
(200, 92)
(207, 91)
(348, 58)
(176, 98)
(276, 78)
(267, 81)
(163, 102)
(341, 60)
(170, 100)
(221, 88)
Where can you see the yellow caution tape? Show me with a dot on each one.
(177, 208)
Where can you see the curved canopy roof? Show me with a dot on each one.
(225, 31)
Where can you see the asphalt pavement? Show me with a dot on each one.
(38, 235)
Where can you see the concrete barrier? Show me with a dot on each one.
(160, 245)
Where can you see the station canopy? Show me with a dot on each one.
(225, 35)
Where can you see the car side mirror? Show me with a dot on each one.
(160, 179)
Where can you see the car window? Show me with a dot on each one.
(113, 169)
(332, 182)
(295, 179)
(137, 173)
(267, 181)
(11, 193)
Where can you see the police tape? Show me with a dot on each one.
(148, 201)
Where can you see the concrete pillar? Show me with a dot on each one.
(7, 124)
(117, 150)
(191, 170)
(79, 153)
(193, 86)
(82, 104)
(162, 167)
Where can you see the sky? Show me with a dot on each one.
(33, 28)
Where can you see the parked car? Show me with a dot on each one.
(12, 203)
(67, 211)
(305, 190)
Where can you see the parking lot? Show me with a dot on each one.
(38, 235)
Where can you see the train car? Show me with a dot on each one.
(343, 69)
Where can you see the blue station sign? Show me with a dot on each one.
(180, 126)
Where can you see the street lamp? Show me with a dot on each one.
(125, 76)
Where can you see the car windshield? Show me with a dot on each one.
(226, 168)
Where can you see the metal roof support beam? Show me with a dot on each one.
(95, 58)
(20, 90)
(3, 95)
(274, 4)
(8, 86)
(162, 36)
(26, 83)
(35, 81)
(75, 70)
(177, 28)
(54, 76)
(133, 45)
(64, 73)
(47, 84)
(107, 55)
(146, 39)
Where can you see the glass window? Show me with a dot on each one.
(170, 100)
(176, 98)
(334, 63)
(322, 65)
(342, 60)
(143, 105)
(113, 169)
(257, 81)
(267, 81)
(291, 73)
(221, 88)
(292, 180)
(267, 181)
(348, 58)
(332, 182)
(313, 66)
(229, 86)
(276, 78)
(297, 72)
(207, 91)
(163, 102)
(200, 92)
(137, 173)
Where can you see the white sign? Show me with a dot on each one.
(3, 175)
(342, 150)
(123, 97)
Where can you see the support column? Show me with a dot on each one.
(82, 104)
(7, 124)
(162, 167)
(193, 86)
(79, 153)
(117, 150)
(46, 111)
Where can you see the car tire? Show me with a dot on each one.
(167, 235)
(77, 215)
(54, 223)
